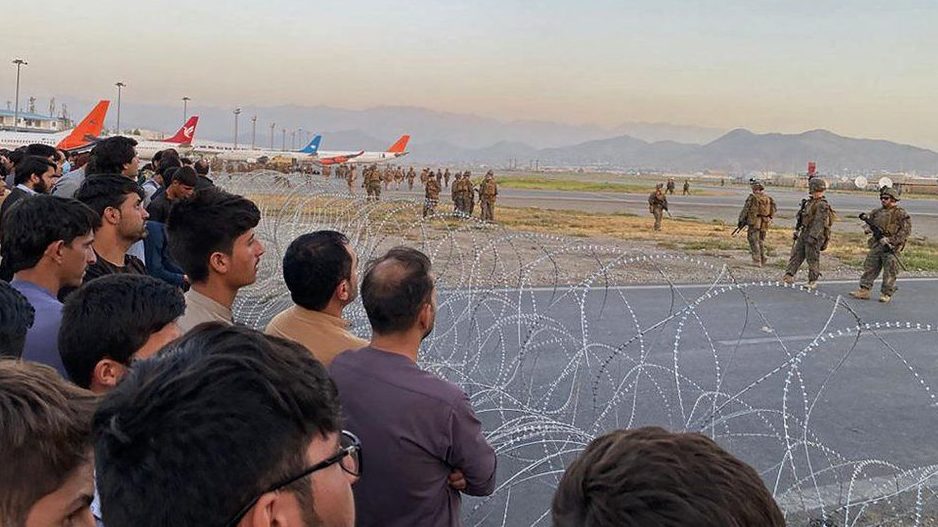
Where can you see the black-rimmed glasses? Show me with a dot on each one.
(349, 457)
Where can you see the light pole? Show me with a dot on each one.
(237, 112)
(185, 108)
(16, 113)
(272, 126)
(283, 141)
(119, 86)
(303, 141)
(293, 140)
(253, 130)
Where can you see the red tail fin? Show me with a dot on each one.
(186, 134)
(400, 145)
(88, 129)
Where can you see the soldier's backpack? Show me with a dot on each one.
(763, 206)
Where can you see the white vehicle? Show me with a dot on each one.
(85, 133)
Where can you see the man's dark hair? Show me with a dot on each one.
(32, 166)
(314, 265)
(45, 434)
(186, 162)
(649, 476)
(156, 157)
(185, 176)
(223, 412)
(201, 167)
(30, 225)
(169, 160)
(210, 221)
(16, 317)
(110, 155)
(104, 190)
(17, 156)
(112, 317)
(395, 288)
(168, 173)
(41, 150)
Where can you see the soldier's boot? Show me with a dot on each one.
(788, 279)
(756, 261)
(861, 294)
(884, 298)
(764, 260)
(811, 285)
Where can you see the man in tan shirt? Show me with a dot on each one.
(211, 236)
(321, 272)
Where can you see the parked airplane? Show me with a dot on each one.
(84, 134)
(396, 150)
(227, 151)
(181, 141)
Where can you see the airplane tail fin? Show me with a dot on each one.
(186, 134)
(400, 145)
(313, 146)
(88, 129)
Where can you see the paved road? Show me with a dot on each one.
(724, 206)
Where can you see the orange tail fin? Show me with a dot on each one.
(399, 145)
(88, 129)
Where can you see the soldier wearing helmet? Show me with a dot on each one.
(812, 233)
(756, 216)
(895, 226)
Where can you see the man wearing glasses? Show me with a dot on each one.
(895, 225)
(226, 427)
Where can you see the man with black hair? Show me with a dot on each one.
(285, 459)
(115, 155)
(321, 272)
(46, 458)
(649, 476)
(16, 317)
(110, 322)
(118, 200)
(211, 236)
(419, 466)
(46, 246)
(202, 168)
(180, 186)
(41, 150)
(34, 175)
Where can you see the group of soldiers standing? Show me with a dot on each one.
(888, 226)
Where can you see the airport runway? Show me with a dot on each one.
(725, 206)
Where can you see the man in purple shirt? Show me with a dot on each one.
(47, 246)
(426, 441)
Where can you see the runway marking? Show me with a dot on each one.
(697, 286)
(795, 338)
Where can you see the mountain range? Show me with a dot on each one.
(442, 137)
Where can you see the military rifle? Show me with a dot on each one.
(739, 227)
(878, 235)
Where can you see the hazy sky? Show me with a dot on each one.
(862, 68)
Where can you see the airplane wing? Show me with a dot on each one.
(338, 159)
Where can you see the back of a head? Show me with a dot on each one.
(41, 150)
(32, 166)
(395, 288)
(30, 225)
(112, 317)
(45, 433)
(110, 155)
(314, 265)
(185, 176)
(208, 222)
(105, 190)
(202, 167)
(649, 476)
(222, 413)
(16, 317)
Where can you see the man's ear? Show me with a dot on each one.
(107, 373)
(269, 511)
(342, 291)
(111, 215)
(55, 250)
(218, 262)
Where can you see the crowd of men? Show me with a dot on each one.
(130, 397)
(888, 227)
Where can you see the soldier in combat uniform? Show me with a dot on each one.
(895, 224)
(657, 204)
(488, 190)
(812, 232)
(432, 194)
(756, 216)
(686, 190)
(670, 185)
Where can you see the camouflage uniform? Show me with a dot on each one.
(349, 173)
(657, 204)
(411, 175)
(488, 190)
(446, 178)
(432, 193)
(756, 216)
(670, 185)
(372, 183)
(470, 195)
(686, 190)
(812, 232)
(896, 225)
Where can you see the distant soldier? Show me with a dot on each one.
(411, 175)
(892, 228)
(446, 178)
(722, 182)
(432, 195)
(424, 174)
(657, 204)
(812, 233)
(670, 185)
(349, 173)
(372, 183)
(686, 190)
(456, 194)
(488, 190)
(756, 216)
(470, 194)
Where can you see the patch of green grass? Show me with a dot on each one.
(712, 244)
